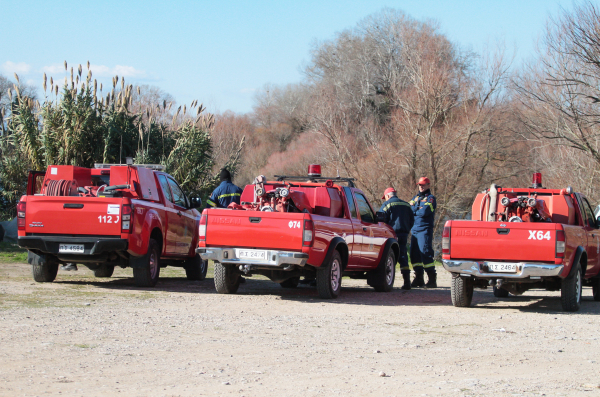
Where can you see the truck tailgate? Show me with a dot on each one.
(254, 229)
(73, 215)
(503, 241)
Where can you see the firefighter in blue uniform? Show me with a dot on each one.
(225, 194)
(421, 249)
(399, 215)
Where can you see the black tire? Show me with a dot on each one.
(196, 268)
(382, 278)
(227, 280)
(570, 291)
(500, 292)
(290, 282)
(461, 291)
(596, 289)
(43, 267)
(104, 270)
(329, 278)
(148, 271)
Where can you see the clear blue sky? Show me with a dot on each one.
(221, 52)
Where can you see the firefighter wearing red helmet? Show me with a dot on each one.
(421, 241)
(399, 215)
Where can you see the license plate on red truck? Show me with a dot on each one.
(252, 254)
(499, 267)
(71, 248)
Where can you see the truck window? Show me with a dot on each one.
(178, 196)
(589, 214)
(350, 202)
(164, 185)
(366, 214)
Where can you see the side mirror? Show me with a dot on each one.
(380, 216)
(195, 202)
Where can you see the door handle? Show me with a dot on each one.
(364, 229)
(179, 213)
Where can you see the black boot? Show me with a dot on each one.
(406, 277)
(418, 282)
(431, 280)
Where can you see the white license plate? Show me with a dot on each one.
(252, 254)
(502, 267)
(70, 248)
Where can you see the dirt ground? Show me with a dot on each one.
(82, 336)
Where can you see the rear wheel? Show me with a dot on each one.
(195, 268)
(43, 267)
(570, 291)
(227, 280)
(104, 270)
(382, 278)
(461, 291)
(329, 279)
(147, 273)
(500, 292)
(290, 282)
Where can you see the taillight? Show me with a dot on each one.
(560, 244)
(308, 234)
(126, 221)
(21, 215)
(202, 228)
(446, 241)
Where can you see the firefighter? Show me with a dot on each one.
(421, 249)
(399, 215)
(225, 194)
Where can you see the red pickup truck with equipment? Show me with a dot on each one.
(113, 215)
(519, 239)
(299, 226)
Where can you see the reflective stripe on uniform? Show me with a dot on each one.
(412, 202)
(387, 207)
(430, 206)
(211, 203)
(428, 265)
(417, 265)
(228, 195)
(403, 267)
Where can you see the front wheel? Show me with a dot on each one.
(195, 268)
(104, 270)
(596, 289)
(43, 267)
(329, 279)
(461, 291)
(227, 280)
(570, 291)
(500, 292)
(146, 273)
(290, 282)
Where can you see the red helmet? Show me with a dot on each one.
(423, 181)
(388, 190)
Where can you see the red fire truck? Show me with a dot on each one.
(113, 215)
(294, 227)
(524, 238)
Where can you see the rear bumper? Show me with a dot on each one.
(524, 269)
(275, 259)
(95, 248)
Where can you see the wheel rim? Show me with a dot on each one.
(389, 270)
(578, 286)
(153, 264)
(335, 275)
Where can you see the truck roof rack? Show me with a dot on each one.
(350, 181)
(155, 167)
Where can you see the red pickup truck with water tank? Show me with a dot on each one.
(112, 215)
(524, 238)
(294, 227)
